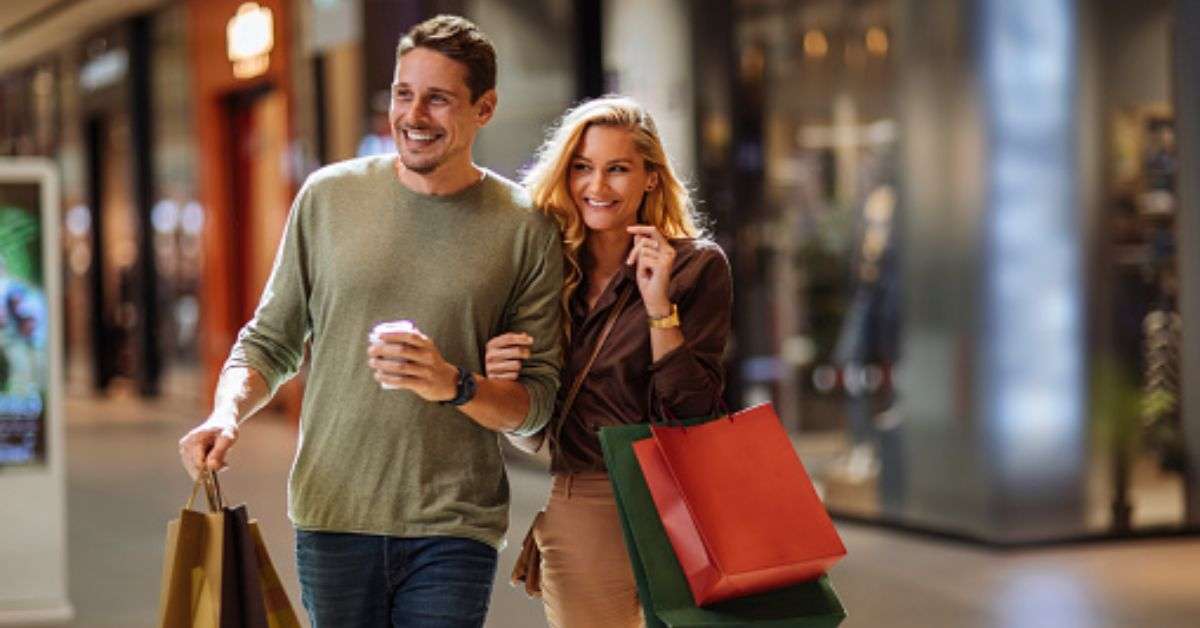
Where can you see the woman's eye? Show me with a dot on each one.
(618, 169)
(579, 167)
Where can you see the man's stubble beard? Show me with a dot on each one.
(419, 168)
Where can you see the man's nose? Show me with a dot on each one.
(417, 112)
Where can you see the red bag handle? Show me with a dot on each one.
(669, 418)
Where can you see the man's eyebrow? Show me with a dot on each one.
(437, 90)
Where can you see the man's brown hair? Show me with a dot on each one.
(457, 38)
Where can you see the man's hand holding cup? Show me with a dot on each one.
(403, 358)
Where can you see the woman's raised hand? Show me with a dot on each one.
(654, 257)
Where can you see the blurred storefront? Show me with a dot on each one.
(957, 250)
(183, 128)
(108, 97)
(960, 229)
(176, 175)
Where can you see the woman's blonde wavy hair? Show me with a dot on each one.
(668, 207)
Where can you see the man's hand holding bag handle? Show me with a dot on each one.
(216, 570)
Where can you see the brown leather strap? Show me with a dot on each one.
(608, 326)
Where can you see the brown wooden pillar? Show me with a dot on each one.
(237, 232)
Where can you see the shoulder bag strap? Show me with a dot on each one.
(578, 383)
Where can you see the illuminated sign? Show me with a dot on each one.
(250, 37)
(24, 321)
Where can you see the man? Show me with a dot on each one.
(398, 492)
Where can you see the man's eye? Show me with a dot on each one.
(403, 95)
(438, 99)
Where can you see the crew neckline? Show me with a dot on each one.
(471, 189)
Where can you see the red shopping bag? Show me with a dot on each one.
(737, 505)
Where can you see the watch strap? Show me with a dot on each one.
(464, 389)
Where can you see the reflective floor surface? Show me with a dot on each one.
(125, 483)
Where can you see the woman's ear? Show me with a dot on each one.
(652, 181)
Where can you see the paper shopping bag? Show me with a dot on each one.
(216, 571)
(662, 586)
(737, 505)
(280, 613)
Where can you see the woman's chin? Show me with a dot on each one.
(604, 227)
(604, 222)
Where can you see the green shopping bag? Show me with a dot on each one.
(663, 588)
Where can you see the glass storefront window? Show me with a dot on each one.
(825, 233)
(839, 117)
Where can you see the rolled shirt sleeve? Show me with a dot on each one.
(689, 380)
(272, 342)
(536, 311)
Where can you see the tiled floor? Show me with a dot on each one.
(125, 483)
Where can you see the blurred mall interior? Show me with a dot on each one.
(965, 234)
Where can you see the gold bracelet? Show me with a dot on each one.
(666, 322)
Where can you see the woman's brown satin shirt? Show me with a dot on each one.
(624, 382)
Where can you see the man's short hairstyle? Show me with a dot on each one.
(461, 40)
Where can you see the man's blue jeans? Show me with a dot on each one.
(365, 581)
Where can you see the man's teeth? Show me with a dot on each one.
(420, 137)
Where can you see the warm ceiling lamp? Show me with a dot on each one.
(250, 37)
(877, 41)
(815, 43)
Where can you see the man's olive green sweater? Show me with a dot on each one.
(360, 248)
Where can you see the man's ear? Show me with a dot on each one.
(485, 107)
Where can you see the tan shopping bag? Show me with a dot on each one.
(216, 570)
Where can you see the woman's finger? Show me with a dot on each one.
(651, 258)
(496, 345)
(504, 370)
(648, 231)
(498, 369)
(505, 354)
(510, 339)
(633, 256)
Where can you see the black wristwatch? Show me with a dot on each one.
(464, 390)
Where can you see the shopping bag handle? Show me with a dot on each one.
(669, 418)
(212, 491)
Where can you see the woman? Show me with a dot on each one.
(637, 264)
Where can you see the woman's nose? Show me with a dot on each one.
(597, 182)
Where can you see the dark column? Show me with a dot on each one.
(589, 49)
(1186, 85)
(714, 63)
(322, 116)
(751, 257)
(384, 21)
(142, 136)
(102, 345)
